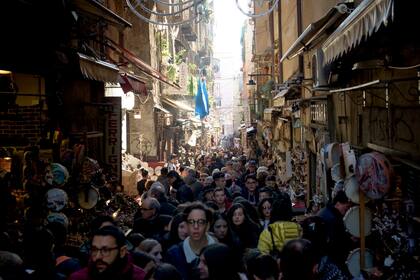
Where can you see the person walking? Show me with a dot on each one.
(185, 255)
(280, 229)
(109, 258)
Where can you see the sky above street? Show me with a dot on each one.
(227, 35)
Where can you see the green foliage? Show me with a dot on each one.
(172, 73)
(164, 45)
(180, 56)
(191, 86)
(192, 68)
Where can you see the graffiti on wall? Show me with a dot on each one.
(402, 130)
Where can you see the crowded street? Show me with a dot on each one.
(209, 140)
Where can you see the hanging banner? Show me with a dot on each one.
(113, 136)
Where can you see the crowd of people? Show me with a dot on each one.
(225, 218)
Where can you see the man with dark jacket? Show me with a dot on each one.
(109, 258)
(141, 185)
(191, 181)
(147, 220)
(184, 193)
(339, 241)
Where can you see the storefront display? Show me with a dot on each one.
(378, 219)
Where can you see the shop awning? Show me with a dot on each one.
(360, 24)
(98, 70)
(268, 113)
(280, 99)
(140, 64)
(159, 107)
(95, 8)
(316, 31)
(178, 104)
(132, 83)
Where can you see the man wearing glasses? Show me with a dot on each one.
(109, 258)
(185, 255)
(250, 191)
(147, 220)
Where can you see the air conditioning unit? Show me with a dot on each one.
(320, 71)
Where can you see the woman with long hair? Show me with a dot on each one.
(177, 233)
(264, 210)
(243, 227)
(222, 231)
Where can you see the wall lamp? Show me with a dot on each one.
(251, 82)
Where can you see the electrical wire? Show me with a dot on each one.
(139, 15)
(257, 15)
(144, 8)
(173, 4)
(145, 101)
(405, 67)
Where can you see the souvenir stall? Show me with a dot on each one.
(36, 191)
(380, 220)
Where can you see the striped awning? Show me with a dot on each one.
(98, 70)
(366, 19)
(178, 104)
(317, 31)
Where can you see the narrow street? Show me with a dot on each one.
(209, 139)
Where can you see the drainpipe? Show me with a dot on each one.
(299, 30)
(280, 45)
(271, 26)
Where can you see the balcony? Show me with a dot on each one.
(188, 32)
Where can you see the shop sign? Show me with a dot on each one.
(113, 136)
(319, 112)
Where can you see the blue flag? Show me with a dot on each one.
(202, 107)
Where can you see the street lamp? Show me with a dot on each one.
(251, 82)
(259, 100)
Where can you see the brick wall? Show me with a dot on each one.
(21, 122)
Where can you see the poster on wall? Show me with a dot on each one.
(113, 136)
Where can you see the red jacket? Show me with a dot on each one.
(129, 272)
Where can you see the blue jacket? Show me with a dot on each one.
(176, 257)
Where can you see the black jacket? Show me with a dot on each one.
(184, 193)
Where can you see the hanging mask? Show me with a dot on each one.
(56, 199)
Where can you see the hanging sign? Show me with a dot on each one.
(113, 136)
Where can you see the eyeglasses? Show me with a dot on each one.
(200, 222)
(103, 251)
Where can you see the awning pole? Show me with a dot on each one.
(362, 229)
